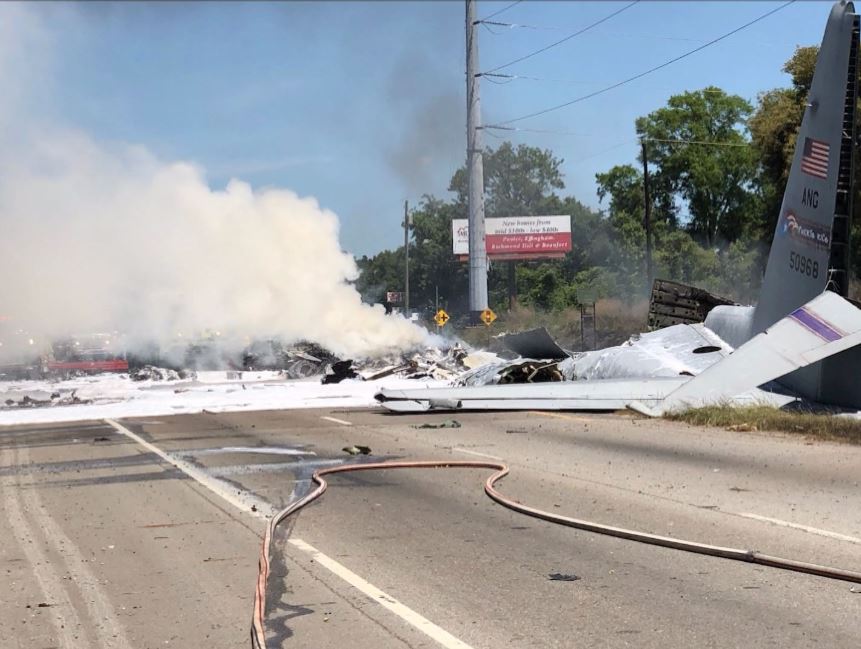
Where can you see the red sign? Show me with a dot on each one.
(528, 244)
(517, 237)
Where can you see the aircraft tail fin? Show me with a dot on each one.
(810, 251)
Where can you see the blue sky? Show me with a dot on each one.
(361, 104)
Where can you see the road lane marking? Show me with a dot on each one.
(464, 450)
(261, 450)
(385, 600)
(245, 502)
(264, 510)
(558, 415)
(806, 528)
(64, 618)
(338, 421)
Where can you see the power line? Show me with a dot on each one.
(654, 69)
(505, 79)
(515, 129)
(567, 38)
(496, 13)
(700, 142)
(514, 26)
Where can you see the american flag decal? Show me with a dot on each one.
(814, 161)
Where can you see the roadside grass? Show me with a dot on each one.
(766, 418)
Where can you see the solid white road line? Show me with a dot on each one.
(806, 528)
(468, 452)
(338, 421)
(244, 502)
(385, 600)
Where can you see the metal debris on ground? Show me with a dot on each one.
(49, 401)
(558, 576)
(449, 423)
(534, 343)
(300, 360)
(338, 371)
(153, 373)
(357, 450)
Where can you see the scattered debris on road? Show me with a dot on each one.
(153, 373)
(449, 423)
(52, 400)
(558, 576)
(357, 450)
(338, 371)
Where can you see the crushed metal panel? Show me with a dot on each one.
(680, 350)
(826, 325)
(673, 303)
(535, 343)
(522, 370)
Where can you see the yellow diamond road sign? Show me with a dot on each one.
(441, 318)
(487, 316)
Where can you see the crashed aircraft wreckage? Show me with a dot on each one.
(800, 340)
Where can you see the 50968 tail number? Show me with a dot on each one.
(803, 265)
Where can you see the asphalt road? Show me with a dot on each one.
(106, 545)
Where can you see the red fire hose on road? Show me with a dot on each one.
(258, 635)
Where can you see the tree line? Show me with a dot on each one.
(718, 166)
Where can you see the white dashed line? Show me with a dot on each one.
(806, 528)
(338, 421)
(476, 453)
(385, 600)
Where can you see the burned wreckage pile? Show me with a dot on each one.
(534, 357)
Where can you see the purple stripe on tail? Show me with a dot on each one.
(816, 325)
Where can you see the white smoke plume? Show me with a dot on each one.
(103, 237)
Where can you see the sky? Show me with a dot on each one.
(362, 104)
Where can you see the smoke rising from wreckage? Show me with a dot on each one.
(265, 269)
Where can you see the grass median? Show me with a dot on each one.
(765, 418)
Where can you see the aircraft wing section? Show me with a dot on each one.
(826, 325)
(609, 394)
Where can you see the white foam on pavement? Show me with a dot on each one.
(115, 396)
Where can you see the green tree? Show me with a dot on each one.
(702, 157)
(380, 273)
(432, 265)
(682, 259)
(774, 130)
(518, 181)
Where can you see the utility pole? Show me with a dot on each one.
(647, 218)
(407, 258)
(475, 168)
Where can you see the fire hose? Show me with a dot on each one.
(258, 635)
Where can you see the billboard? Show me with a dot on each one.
(517, 237)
